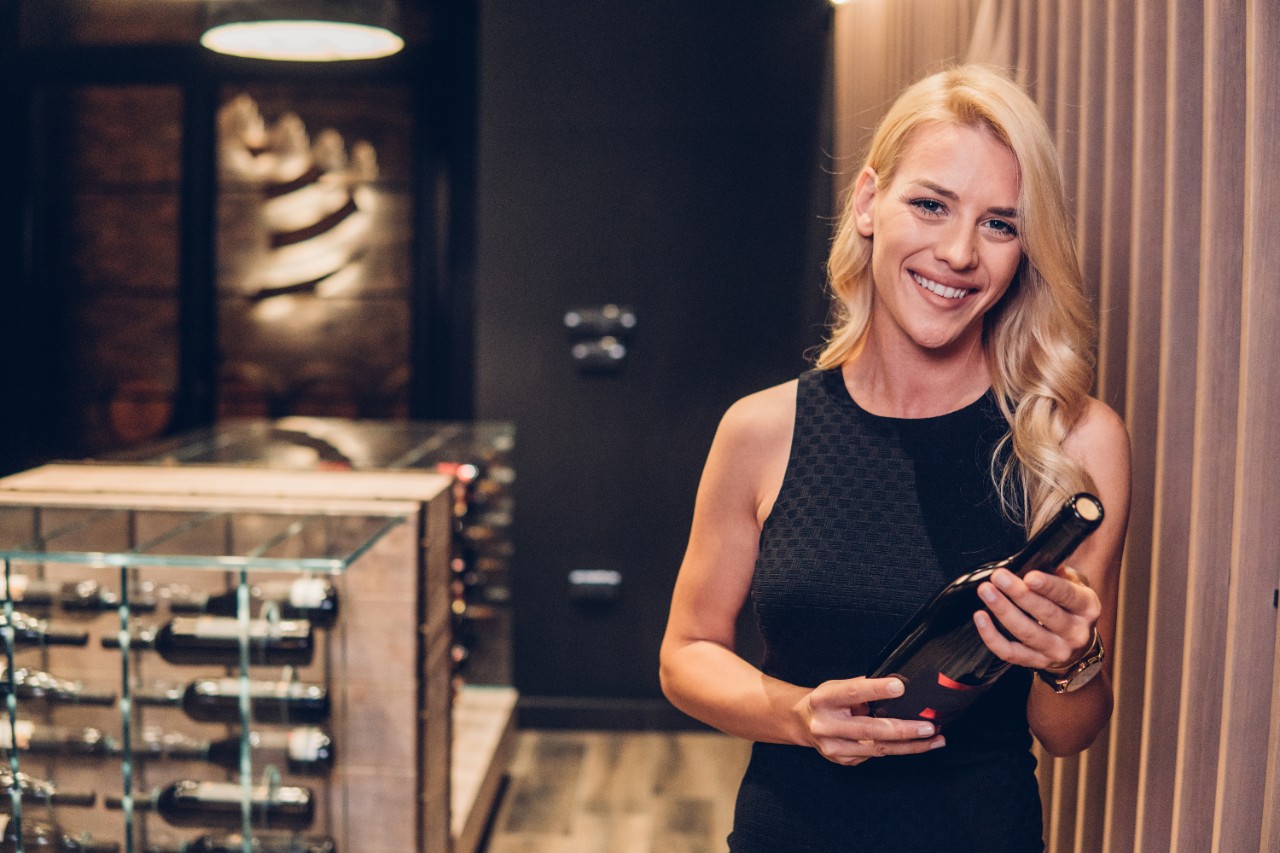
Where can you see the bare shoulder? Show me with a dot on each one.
(751, 448)
(1099, 436)
(1099, 442)
(762, 418)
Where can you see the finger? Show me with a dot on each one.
(1001, 603)
(1071, 591)
(855, 752)
(1033, 645)
(1002, 647)
(855, 693)
(1054, 602)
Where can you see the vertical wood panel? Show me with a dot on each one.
(1213, 465)
(1067, 107)
(1115, 217)
(1175, 220)
(1243, 820)
(1043, 81)
(1101, 147)
(1067, 95)
(1175, 430)
(1027, 43)
(1146, 271)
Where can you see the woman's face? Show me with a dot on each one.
(945, 242)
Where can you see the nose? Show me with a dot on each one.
(958, 246)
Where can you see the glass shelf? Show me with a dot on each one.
(221, 540)
(232, 768)
(329, 443)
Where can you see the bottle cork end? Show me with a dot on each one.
(1088, 507)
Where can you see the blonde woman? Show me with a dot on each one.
(946, 419)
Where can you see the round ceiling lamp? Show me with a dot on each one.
(303, 30)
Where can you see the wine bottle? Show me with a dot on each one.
(215, 640)
(83, 595)
(40, 739)
(217, 700)
(940, 656)
(35, 790)
(218, 804)
(313, 599)
(262, 842)
(34, 685)
(30, 631)
(41, 835)
(306, 750)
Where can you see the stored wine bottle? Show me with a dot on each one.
(35, 790)
(215, 640)
(30, 631)
(34, 685)
(306, 750)
(40, 739)
(84, 595)
(940, 656)
(218, 804)
(262, 842)
(313, 599)
(217, 700)
(41, 835)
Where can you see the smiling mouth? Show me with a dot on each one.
(940, 289)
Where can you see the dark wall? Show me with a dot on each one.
(670, 156)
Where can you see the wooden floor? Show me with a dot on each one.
(619, 792)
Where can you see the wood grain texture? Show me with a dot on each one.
(1165, 113)
(619, 792)
(1244, 820)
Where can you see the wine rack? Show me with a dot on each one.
(182, 728)
(476, 455)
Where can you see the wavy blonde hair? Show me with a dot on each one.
(1039, 338)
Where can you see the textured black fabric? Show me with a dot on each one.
(875, 515)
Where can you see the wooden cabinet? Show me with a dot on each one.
(385, 661)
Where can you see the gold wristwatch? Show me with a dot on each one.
(1078, 674)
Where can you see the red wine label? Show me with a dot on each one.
(940, 700)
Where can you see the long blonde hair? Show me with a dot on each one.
(1039, 338)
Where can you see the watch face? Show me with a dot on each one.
(1083, 676)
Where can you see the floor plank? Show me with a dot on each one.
(619, 792)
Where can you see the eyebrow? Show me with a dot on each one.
(1007, 212)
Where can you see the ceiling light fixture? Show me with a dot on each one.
(303, 30)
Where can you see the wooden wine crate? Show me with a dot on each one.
(386, 660)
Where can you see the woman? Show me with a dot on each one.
(947, 418)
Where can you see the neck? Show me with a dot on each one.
(909, 382)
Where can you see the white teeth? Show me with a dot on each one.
(940, 289)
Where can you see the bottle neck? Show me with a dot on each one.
(1062, 535)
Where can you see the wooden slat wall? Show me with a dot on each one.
(1167, 116)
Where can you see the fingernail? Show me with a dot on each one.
(896, 687)
(925, 729)
(1034, 580)
(987, 593)
(940, 742)
(1001, 581)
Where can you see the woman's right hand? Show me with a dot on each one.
(836, 717)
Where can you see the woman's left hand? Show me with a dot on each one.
(1052, 617)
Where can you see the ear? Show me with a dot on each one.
(864, 197)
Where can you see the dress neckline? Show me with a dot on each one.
(833, 380)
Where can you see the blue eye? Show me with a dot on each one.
(1002, 227)
(930, 206)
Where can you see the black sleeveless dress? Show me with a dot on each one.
(874, 515)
